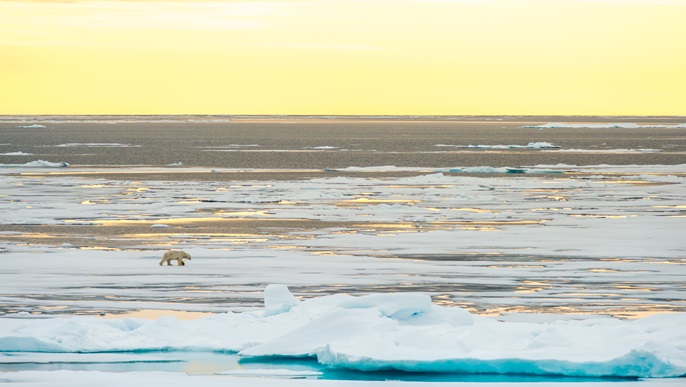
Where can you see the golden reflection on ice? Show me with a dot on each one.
(632, 288)
(626, 313)
(123, 222)
(681, 262)
(643, 313)
(361, 201)
(285, 247)
(532, 287)
(473, 209)
(399, 225)
(244, 213)
(479, 228)
(599, 216)
(485, 226)
(345, 232)
(559, 198)
(31, 235)
(131, 191)
(615, 260)
(495, 222)
(190, 201)
(168, 221)
(251, 237)
(325, 253)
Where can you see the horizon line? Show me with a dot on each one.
(341, 115)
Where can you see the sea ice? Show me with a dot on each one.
(38, 164)
(96, 145)
(623, 125)
(381, 331)
(34, 126)
(277, 299)
(20, 153)
(323, 147)
(531, 145)
(631, 251)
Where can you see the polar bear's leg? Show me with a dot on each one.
(167, 257)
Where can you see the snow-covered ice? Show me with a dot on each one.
(18, 153)
(378, 332)
(95, 145)
(531, 145)
(32, 126)
(396, 285)
(37, 164)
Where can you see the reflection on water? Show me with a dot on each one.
(221, 363)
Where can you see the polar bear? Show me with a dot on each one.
(179, 255)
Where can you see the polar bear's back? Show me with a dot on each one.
(176, 254)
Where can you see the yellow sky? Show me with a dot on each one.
(404, 57)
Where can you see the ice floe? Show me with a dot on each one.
(323, 147)
(380, 332)
(32, 126)
(96, 145)
(619, 125)
(638, 150)
(531, 145)
(19, 153)
(37, 164)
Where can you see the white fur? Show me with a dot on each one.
(179, 255)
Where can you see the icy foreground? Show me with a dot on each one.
(379, 332)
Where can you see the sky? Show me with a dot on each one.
(340, 57)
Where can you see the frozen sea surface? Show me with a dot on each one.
(507, 259)
(490, 243)
(396, 286)
(376, 332)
